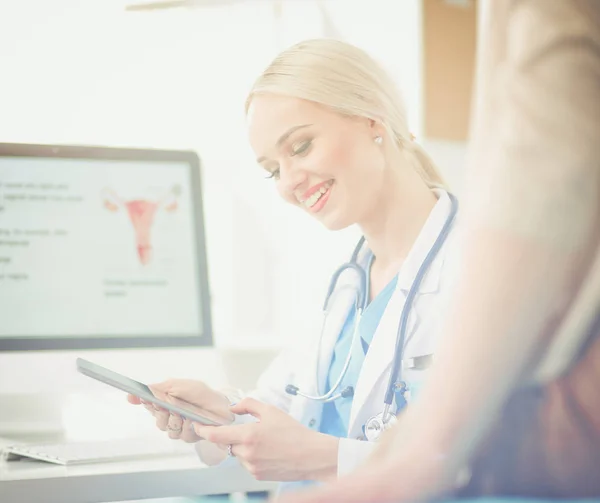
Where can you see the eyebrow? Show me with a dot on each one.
(284, 137)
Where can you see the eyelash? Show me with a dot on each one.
(303, 148)
(301, 151)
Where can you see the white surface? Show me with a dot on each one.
(81, 453)
(33, 481)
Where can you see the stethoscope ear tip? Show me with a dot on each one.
(347, 392)
(290, 389)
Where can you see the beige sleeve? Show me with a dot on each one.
(534, 163)
(531, 210)
(535, 158)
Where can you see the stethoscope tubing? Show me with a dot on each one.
(361, 300)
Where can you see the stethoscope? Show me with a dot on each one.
(396, 387)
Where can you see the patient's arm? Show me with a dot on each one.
(532, 214)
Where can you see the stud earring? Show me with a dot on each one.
(378, 140)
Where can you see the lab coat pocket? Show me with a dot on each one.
(424, 335)
(415, 376)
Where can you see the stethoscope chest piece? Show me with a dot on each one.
(376, 425)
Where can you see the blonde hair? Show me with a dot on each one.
(346, 79)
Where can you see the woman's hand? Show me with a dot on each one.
(187, 394)
(276, 447)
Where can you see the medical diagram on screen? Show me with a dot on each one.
(141, 213)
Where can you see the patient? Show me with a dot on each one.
(527, 308)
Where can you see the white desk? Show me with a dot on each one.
(179, 476)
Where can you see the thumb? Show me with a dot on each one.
(133, 399)
(249, 406)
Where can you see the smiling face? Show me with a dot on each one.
(325, 163)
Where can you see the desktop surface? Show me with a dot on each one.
(40, 482)
(37, 481)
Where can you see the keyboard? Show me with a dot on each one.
(79, 453)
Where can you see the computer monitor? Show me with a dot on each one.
(102, 255)
(101, 248)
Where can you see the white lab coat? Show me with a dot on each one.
(299, 365)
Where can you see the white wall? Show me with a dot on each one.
(76, 71)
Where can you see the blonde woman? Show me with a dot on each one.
(329, 130)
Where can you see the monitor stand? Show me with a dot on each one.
(31, 417)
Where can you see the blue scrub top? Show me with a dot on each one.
(336, 415)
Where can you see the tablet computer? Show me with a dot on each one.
(168, 402)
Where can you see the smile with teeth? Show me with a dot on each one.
(312, 200)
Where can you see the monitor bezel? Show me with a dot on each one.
(51, 343)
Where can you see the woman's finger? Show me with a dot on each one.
(162, 419)
(134, 399)
(174, 426)
(188, 434)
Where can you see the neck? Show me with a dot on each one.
(395, 221)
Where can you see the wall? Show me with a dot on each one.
(86, 72)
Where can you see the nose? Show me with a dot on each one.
(290, 178)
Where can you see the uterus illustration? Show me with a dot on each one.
(141, 213)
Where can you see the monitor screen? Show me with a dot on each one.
(101, 248)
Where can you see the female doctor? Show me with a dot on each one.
(329, 129)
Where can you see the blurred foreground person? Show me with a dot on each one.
(512, 406)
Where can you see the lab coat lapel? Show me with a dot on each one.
(371, 387)
(378, 361)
